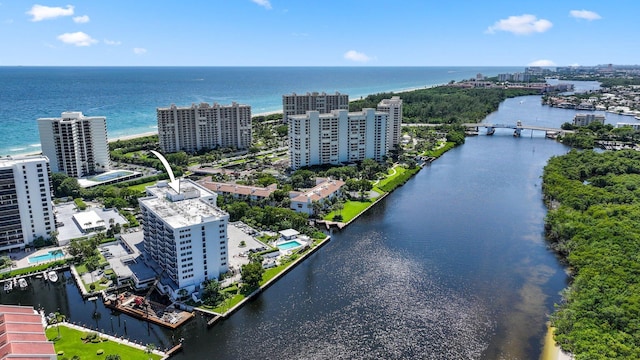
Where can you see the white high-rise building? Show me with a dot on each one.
(185, 234)
(393, 107)
(75, 144)
(337, 137)
(295, 104)
(26, 210)
(204, 126)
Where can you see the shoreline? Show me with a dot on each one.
(265, 113)
(550, 350)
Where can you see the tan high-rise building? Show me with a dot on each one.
(295, 104)
(393, 107)
(75, 144)
(204, 126)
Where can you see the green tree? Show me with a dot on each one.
(211, 294)
(252, 274)
(68, 187)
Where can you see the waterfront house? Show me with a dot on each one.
(325, 188)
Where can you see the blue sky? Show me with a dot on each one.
(319, 33)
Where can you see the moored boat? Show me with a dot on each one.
(22, 282)
(8, 286)
(53, 276)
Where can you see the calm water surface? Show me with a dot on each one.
(452, 265)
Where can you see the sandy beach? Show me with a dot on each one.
(133, 136)
(550, 350)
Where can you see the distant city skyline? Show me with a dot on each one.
(328, 33)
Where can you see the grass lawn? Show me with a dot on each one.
(142, 187)
(351, 210)
(71, 344)
(399, 170)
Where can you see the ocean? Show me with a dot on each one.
(129, 96)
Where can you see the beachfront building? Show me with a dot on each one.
(197, 127)
(393, 107)
(22, 334)
(325, 189)
(337, 137)
(185, 235)
(75, 144)
(26, 210)
(586, 119)
(295, 104)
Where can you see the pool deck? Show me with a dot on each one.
(21, 258)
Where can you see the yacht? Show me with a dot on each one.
(8, 286)
(53, 276)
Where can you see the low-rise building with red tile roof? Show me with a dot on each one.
(239, 191)
(325, 189)
(22, 334)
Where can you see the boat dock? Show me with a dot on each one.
(148, 310)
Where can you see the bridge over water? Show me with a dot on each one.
(517, 127)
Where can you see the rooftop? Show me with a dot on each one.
(193, 205)
(323, 189)
(240, 189)
(22, 334)
(12, 160)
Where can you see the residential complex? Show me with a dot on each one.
(295, 104)
(75, 144)
(204, 126)
(240, 191)
(586, 119)
(26, 211)
(325, 189)
(634, 126)
(393, 107)
(337, 137)
(185, 234)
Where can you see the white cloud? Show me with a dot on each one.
(81, 19)
(521, 25)
(264, 3)
(584, 14)
(77, 38)
(356, 56)
(41, 12)
(112, 42)
(139, 51)
(542, 62)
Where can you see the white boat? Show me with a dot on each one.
(22, 283)
(53, 276)
(8, 286)
(45, 276)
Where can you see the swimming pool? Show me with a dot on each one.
(111, 175)
(45, 257)
(289, 245)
